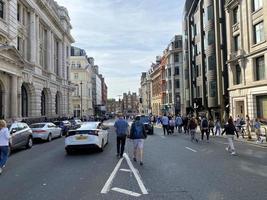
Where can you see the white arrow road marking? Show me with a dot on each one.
(125, 170)
(107, 185)
(136, 174)
(128, 192)
(191, 149)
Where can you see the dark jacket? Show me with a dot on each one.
(133, 131)
(230, 130)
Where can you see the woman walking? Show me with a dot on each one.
(248, 124)
(218, 127)
(4, 140)
(230, 131)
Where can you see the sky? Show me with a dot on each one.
(124, 36)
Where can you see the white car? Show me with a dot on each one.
(45, 131)
(89, 135)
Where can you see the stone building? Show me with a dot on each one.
(247, 57)
(81, 76)
(205, 53)
(35, 44)
(129, 103)
(173, 69)
(145, 94)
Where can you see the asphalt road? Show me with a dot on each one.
(174, 168)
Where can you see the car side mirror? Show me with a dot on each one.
(13, 131)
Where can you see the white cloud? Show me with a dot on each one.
(124, 36)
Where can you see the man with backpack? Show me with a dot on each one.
(192, 127)
(121, 126)
(204, 127)
(138, 134)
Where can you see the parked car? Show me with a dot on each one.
(147, 124)
(45, 131)
(64, 125)
(89, 135)
(21, 135)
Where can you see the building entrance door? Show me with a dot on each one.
(240, 109)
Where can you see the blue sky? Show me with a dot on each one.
(124, 36)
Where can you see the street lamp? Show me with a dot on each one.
(81, 113)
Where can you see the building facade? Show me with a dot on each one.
(81, 76)
(247, 57)
(129, 103)
(35, 44)
(205, 55)
(145, 94)
(174, 54)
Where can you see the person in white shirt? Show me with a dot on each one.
(165, 124)
(4, 142)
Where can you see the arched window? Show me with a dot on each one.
(24, 102)
(238, 78)
(43, 104)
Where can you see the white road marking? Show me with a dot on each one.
(128, 192)
(107, 185)
(136, 174)
(191, 149)
(125, 170)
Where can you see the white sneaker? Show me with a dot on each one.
(227, 149)
(233, 153)
(1, 170)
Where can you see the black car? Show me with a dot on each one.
(147, 124)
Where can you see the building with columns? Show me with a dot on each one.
(247, 57)
(35, 44)
(145, 94)
(81, 76)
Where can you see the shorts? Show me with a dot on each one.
(138, 143)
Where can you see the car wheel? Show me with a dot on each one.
(102, 146)
(49, 138)
(68, 151)
(29, 143)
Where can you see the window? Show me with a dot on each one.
(18, 12)
(56, 64)
(170, 84)
(260, 68)
(18, 43)
(238, 76)
(43, 104)
(258, 33)
(211, 62)
(1, 9)
(236, 43)
(178, 44)
(236, 15)
(76, 76)
(43, 46)
(210, 37)
(210, 12)
(198, 92)
(262, 106)
(24, 101)
(213, 90)
(78, 64)
(169, 72)
(257, 4)
(176, 57)
(177, 71)
(177, 83)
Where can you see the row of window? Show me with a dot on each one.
(169, 72)
(2, 9)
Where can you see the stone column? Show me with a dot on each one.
(14, 97)
(52, 67)
(37, 40)
(32, 38)
(49, 53)
(60, 58)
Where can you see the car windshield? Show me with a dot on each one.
(144, 119)
(37, 125)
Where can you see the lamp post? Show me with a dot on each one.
(81, 113)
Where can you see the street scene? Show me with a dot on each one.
(174, 168)
(141, 99)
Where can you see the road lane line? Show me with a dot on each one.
(191, 149)
(128, 192)
(125, 170)
(136, 174)
(107, 185)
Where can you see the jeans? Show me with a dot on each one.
(231, 143)
(207, 133)
(165, 128)
(120, 144)
(193, 134)
(3, 155)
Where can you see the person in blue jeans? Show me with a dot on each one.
(121, 126)
(4, 142)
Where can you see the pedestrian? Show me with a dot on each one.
(230, 131)
(4, 143)
(185, 124)
(217, 127)
(257, 127)
(122, 129)
(138, 134)
(248, 125)
(192, 127)
(179, 123)
(204, 127)
(165, 124)
(211, 126)
(171, 125)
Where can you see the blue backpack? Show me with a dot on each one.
(138, 130)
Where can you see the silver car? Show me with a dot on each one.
(45, 131)
(21, 135)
